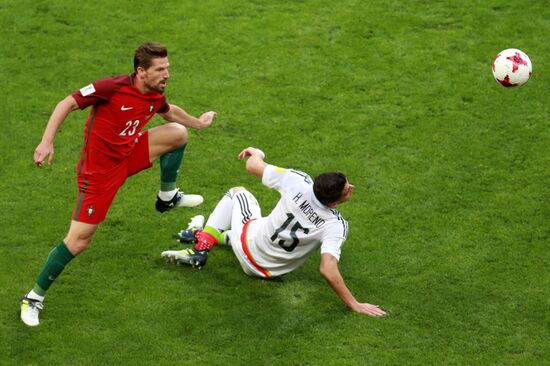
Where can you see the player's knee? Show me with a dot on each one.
(78, 240)
(179, 134)
(77, 245)
(236, 190)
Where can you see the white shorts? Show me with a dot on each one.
(245, 208)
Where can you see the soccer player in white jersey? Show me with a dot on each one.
(304, 219)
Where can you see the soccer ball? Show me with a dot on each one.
(512, 68)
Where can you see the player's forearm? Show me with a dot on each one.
(178, 115)
(329, 270)
(58, 116)
(338, 285)
(256, 165)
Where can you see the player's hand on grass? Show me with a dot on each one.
(369, 309)
(42, 151)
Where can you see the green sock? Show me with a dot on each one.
(169, 167)
(215, 233)
(55, 263)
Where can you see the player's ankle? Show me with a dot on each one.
(205, 240)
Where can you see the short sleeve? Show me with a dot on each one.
(165, 107)
(335, 236)
(99, 91)
(333, 248)
(281, 178)
(273, 176)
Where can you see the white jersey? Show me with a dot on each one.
(297, 226)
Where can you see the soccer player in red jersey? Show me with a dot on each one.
(114, 148)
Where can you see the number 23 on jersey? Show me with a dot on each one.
(130, 128)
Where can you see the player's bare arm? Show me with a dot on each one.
(58, 116)
(331, 273)
(178, 115)
(255, 165)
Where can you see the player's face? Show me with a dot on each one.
(156, 76)
(346, 192)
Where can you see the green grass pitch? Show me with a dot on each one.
(450, 220)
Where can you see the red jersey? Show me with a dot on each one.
(119, 112)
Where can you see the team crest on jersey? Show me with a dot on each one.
(280, 170)
(150, 110)
(90, 210)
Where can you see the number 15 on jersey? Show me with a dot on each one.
(289, 246)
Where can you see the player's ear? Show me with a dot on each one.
(140, 71)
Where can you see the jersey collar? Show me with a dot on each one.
(316, 202)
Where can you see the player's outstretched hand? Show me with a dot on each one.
(207, 118)
(369, 309)
(42, 151)
(249, 151)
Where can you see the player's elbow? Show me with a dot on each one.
(325, 271)
(328, 267)
(69, 104)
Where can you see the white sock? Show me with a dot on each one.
(167, 195)
(33, 295)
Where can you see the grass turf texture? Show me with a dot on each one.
(449, 221)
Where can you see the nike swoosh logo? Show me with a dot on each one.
(123, 108)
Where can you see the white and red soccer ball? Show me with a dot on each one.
(512, 67)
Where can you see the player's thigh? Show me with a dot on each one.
(166, 138)
(245, 208)
(139, 158)
(96, 195)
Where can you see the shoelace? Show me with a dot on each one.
(35, 304)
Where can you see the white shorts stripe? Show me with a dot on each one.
(243, 204)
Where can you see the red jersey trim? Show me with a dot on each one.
(80, 199)
(247, 252)
(89, 131)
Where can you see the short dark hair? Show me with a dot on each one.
(328, 187)
(144, 55)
